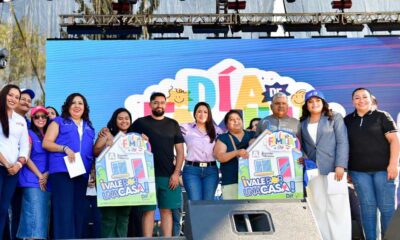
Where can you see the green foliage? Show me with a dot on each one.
(97, 7)
(25, 52)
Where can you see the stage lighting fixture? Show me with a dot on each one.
(237, 5)
(223, 38)
(341, 4)
(302, 27)
(275, 37)
(336, 36)
(386, 36)
(108, 30)
(210, 28)
(171, 38)
(384, 26)
(3, 57)
(165, 28)
(340, 27)
(263, 27)
(5, 1)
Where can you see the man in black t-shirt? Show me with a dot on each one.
(164, 135)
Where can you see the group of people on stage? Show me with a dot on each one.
(365, 144)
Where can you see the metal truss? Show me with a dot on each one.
(345, 20)
(143, 20)
(322, 18)
(229, 19)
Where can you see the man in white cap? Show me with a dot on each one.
(25, 103)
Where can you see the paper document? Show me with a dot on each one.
(75, 168)
(312, 173)
(337, 187)
(91, 191)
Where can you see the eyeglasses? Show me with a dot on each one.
(40, 116)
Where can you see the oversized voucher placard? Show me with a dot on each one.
(272, 171)
(125, 173)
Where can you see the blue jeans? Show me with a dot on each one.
(35, 214)
(7, 187)
(200, 182)
(374, 192)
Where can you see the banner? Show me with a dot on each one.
(125, 173)
(272, 171)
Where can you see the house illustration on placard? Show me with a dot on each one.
(272, 170)
(125, 172)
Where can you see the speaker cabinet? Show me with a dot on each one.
(393, 231)
(244, 219)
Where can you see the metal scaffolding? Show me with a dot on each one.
(232, 20)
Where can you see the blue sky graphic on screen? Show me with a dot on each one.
(239, 74)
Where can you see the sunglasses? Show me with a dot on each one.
(40, 116)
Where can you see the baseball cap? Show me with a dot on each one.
(28, 91)
(39, 108)
(314, 93)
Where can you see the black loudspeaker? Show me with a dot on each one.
(244, 219)
(393, 231)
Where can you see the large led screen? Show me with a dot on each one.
(228, 74)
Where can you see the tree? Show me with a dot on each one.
(27, 52)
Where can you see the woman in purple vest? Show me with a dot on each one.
(67, 136)
(33, 180)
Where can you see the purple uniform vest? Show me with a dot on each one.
(40, 157)
(68, 135)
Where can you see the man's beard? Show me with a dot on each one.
(158, 112)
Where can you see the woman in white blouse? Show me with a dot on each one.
(14, 147)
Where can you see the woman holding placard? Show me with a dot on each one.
(324, 141)
(229, 148)
(114, 221)
(69, 139)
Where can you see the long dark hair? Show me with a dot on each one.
(325, 111)
(361, 88)
(55, 110)
(210, 128)
(228, 114)
(251, 123)
(67, 104)
(112, 124)
(3, 107)
(36, 130)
